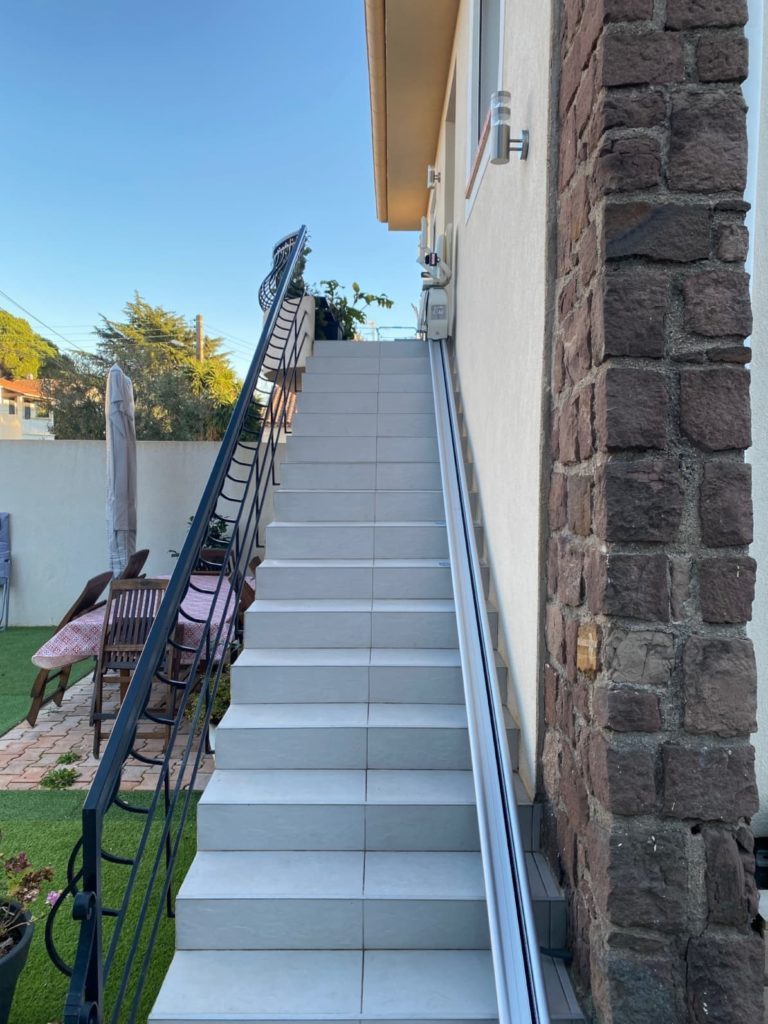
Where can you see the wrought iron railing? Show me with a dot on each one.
(120, 898)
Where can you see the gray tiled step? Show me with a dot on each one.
(365, 402)
(371, 349)
(392, 365)
(332, 900)
(344, 424)
(218, 986)
(357, 540)
(351, 623)
(346, 675)
(338, 810)
(337, 505)
(356, 579)
(343, 736)
(355, 448)
(361, 476)
(414, 383)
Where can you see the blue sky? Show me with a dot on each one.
(164, 145)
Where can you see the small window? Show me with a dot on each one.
(27, 410)
(11, 407)
(488, 54)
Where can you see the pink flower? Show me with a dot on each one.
(52, 898)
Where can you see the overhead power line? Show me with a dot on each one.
(36, 318)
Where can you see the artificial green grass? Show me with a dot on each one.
(17, 673)
(46, 826)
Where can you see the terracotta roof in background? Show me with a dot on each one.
(27, 388)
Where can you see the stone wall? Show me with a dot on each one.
(650, 687)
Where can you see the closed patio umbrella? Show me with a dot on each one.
(121, 469)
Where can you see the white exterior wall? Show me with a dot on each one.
(56, 495)
(500, 289)
(758, 454)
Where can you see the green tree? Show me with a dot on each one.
(23, 352)
(177, 397)
(349, 313)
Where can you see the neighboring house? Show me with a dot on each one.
(23, 414)
(599, 308)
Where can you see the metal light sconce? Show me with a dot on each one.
(433, 177)
(501, 143)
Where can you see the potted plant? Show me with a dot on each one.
(21, 887)
(339, 318)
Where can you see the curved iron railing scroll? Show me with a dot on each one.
(118, 923)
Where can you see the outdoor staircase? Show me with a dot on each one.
(338, 876)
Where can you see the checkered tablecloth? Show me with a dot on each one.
(81, 638)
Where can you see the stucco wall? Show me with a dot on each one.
(501, 302)
(758, 455)
(56, 496)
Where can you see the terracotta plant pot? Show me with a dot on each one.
(12, 963)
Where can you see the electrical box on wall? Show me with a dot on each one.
(436, 314)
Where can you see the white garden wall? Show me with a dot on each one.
(56, 496)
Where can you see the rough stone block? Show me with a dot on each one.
(717, 302)
(624, 709)
(708, 142)
(701, 13)
(715, 409)
(711, 783)
(725, 978)
(727, 589)
(680, 573)
(635, 108)
(569, 571)
(731, 242)
(641, 656)
(720, 686)
(558, 491)
(630, 409)
(639, 501)
(555, 634)
(628, 165)
(622, 777)
(627, 10)
(630, 318)
(727, 892)
(726, 504)
(660, 231)
(630, 586)
(722, 58)
(638, 990)
(653, 58)
(640, 876)
(579, 505)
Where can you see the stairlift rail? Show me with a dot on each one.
(514, 944)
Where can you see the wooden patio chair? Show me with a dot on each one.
(134, 565)
(132, 607)
(86, 602)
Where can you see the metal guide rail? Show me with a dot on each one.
(514, 944)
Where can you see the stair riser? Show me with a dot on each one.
(387, 383)
(391, 827)
(343, 684)
(361, 476)
(360, 449)
(364, 403)
(356, 541)
(304, 506)
(319, 629)
(284, 583)
(321, 749)
(345, 364)
(331, 924)
(333, 424)
(370, 349)
(285, 684)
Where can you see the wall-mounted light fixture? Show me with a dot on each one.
(433, 177)
(501, 143)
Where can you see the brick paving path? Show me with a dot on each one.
(27, 754)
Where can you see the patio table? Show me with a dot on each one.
(81, 638)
